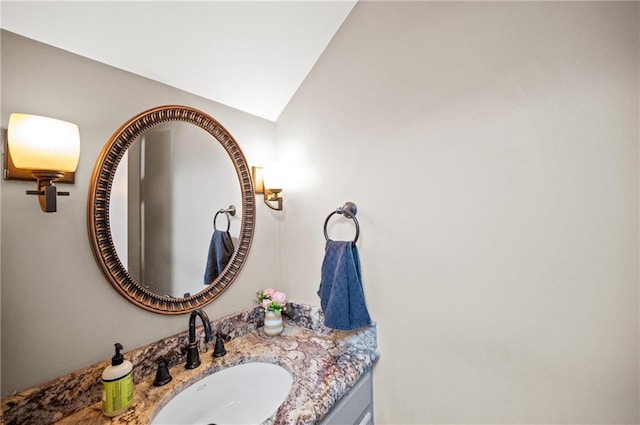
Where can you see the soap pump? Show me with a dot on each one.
(117, 385)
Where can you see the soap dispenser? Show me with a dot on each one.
(117, 385)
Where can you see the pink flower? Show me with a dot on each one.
(279, 297)
(271, 300)
(269, 292)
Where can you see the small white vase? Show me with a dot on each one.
(273, 323)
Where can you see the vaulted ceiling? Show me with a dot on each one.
(250, 55)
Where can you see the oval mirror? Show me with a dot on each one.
(165, 198)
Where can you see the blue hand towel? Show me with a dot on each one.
(220, 252)
(341, 294)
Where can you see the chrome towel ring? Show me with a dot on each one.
(227, 211)
(349, 210)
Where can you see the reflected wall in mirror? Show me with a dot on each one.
(155, 190)
(167, 189)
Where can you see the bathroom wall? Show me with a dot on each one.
(492, 150)
(59, 313)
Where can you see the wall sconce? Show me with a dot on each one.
(266, 183)
(42, 149)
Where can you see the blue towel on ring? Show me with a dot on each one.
(341, 294)
(220, 252)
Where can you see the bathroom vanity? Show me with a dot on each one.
(331, 373)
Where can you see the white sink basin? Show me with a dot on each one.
(245, 394)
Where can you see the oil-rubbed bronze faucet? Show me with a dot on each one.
(193, 357)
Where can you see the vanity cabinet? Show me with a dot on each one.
(344, 357)
(356, 407)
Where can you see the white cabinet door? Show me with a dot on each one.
(356, 407)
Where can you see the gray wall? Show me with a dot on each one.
(59, 313)
(492, 150)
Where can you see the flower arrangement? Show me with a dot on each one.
(271, 300)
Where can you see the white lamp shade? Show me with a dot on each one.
(273, 176)
(41, 143)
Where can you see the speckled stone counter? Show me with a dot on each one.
(325, 364)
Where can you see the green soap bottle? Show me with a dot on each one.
(117, 385)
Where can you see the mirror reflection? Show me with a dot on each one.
(156, 188)
(169, 186)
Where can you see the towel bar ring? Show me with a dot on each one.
(227, 211)
(349, 210)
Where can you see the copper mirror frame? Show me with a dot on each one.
(98, 210)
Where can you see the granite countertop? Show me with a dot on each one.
(325, 364)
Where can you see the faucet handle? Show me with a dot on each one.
(162, 374)
(219, 349)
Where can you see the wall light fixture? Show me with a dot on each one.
(43, 149)
(266, 183)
